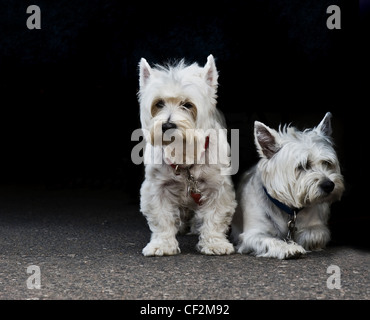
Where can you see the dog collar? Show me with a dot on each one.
(282, 206)
(293, 216)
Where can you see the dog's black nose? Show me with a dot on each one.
(327, 186)
(168, 125)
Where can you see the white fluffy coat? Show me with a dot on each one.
(164, 200)
(294, 168)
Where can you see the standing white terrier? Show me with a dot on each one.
(284, 201)
(185, 152)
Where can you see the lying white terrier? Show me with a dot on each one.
(185, 177)
(284, 201)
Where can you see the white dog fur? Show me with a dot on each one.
(183, 98)
(300, 170)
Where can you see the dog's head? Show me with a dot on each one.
(177, 103)
(299, 168)
(176, 97)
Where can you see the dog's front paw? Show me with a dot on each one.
(292, 250)
(218, 247)
(158, 248)
(276, 248)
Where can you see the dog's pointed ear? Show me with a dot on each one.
(210, 72)
(145, 72)
(266, 140)
(324, 126)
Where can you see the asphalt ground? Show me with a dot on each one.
(86, 244)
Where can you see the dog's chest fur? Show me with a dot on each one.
(175, 185)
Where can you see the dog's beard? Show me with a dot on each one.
(299, 188)
(183, 145)
(306, 191)
(188, 149)
(309, 189)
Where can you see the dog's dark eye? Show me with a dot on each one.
(327, 164)
(187, 105)
(159, 104)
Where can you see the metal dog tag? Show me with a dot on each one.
(192, 185)
(291, 229)
(188, 190)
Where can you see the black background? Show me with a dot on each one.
(68, 91)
